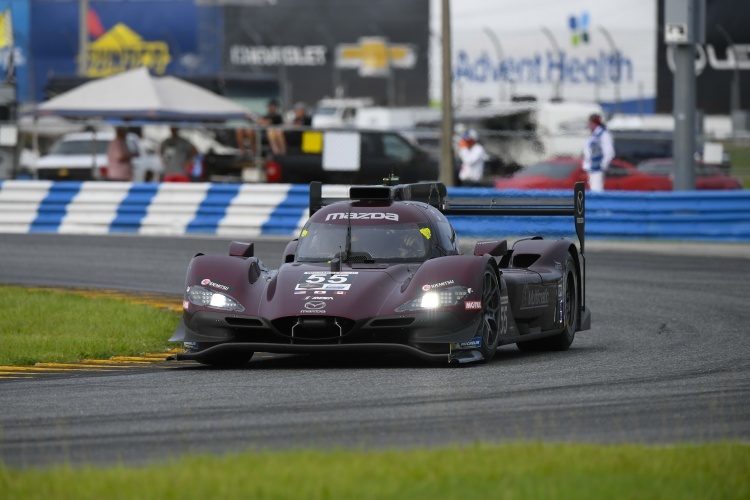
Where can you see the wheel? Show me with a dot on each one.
(490, 325)
(562, 340)
(222, 360)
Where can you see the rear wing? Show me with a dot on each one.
(435, 194)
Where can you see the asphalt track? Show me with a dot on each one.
(667, 361)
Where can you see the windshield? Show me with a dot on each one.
(82, 147)
(325, 111)
(552, 170)
(408, 242)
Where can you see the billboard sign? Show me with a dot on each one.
(576, 50)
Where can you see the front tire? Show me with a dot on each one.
(489, 328)
(562, 340)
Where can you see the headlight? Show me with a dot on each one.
(208, 298)
(436, 298)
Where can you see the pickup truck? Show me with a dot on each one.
(349, 156)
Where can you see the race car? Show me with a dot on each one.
(382, 272)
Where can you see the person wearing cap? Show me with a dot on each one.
(272, 117)
(472, 155)
(597, 153)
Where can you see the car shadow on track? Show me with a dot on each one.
(504, 356)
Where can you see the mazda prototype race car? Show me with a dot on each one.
(381, 272)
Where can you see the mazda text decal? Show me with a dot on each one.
(362, 215)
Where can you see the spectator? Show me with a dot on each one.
(177, 154)
(301, 119)
(472, 155)
(597, 153)
(119, 157)
(275, 136)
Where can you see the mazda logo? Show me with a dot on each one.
(315, 305)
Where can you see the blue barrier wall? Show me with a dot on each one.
(247, 210)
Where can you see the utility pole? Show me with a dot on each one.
(446, 140)
(684, 27)
(83, 37)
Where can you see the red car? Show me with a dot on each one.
(563, 173)
(707, 176)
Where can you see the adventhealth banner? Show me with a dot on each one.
(576, 50)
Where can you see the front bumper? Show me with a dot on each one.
(428, 335)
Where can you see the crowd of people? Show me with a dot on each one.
(178, 154)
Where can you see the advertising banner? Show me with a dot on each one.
(726, 50)
(14, 46)
(161, 35)
(358, 47)
(577, 50)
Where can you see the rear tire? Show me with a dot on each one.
(489, 328)
(562, 340)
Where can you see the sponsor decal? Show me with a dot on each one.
(579, 204)
(300, 292)
(438, 285)
(534, 296)
(186, 304)
(277, 55)
(319, 292)
(121, 49)
(374, 56)
(558, 265)
(340, 293)
(312, 311)
(315, 305)
(474, 343)
(362, 215)
(208, 282)
(313, 297)
(472, 305)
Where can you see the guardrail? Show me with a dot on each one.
(248, 210)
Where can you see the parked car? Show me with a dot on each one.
(563, 173)
(82, 156)
(707, 176)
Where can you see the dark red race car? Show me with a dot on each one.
(563, 173)
(707, 176)
(382, 272)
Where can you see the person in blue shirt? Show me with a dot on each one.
(597, 153)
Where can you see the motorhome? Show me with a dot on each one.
(524, 132)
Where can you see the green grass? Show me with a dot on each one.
(523, 470)
(47, 326)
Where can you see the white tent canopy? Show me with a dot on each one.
(137, 95)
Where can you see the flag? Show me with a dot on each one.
(6, 30)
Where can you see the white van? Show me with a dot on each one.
(82, 156)
(340, 112)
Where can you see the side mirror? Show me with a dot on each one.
(240, 249)
(289, 251)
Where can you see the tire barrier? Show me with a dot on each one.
(249, 210)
